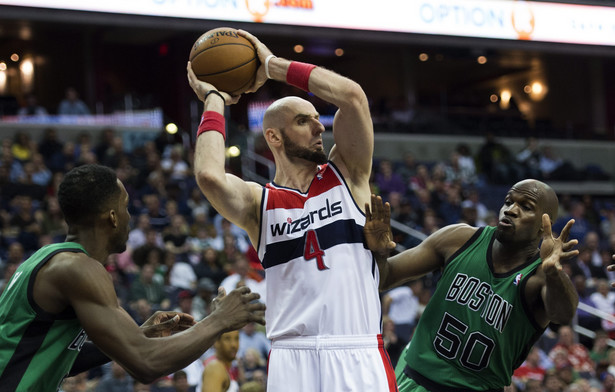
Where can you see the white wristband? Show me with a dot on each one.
(267, 65)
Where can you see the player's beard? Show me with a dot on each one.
(293, 150)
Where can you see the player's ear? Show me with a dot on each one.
(272, 136)
(113, 218)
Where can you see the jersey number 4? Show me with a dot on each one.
(472, 350)
(312, 250)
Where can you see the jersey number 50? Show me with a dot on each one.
(451, 336)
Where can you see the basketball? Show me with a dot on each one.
(225, 59)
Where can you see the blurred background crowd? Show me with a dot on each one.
(180, 250)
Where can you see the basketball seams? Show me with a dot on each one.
(228, 69)
(220, 45)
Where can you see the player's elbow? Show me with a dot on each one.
(355, 95)
(207, 180)
(144, 374)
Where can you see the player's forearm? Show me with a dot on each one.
(157, 357)
(325, 84)
(561, 298)
(209, 158)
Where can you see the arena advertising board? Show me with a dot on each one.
(498, 19)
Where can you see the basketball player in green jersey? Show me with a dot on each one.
(62, 295)
(500, 287)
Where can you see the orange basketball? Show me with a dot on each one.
(225, 59)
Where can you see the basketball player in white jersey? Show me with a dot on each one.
(323, 309)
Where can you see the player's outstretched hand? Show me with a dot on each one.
(238, 308)
(553, 250)
(263, 52)
(377, 227)
(166, 323)
(201, 88)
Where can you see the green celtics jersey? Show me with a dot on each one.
(37, 349)
(476, 328)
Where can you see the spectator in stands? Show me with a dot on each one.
(25, 223)
(591, 241)
(116, 380)
(155, 210)
(49, 145)
(387, 180)
(401, 305)
(211, 266)
(206, 290)
(496, 162)
(38, 170)
(174, 166)
(251, 362)
(105, 143)
(23, 147)
(251, 337)
(12, 164)
(604, 299)
(581, 225)
(584, 318)
(145, 288)
(531, 368)
(600, 348)
(72, 105)
(180, 382)
(566, 349)
(175, 236)
(184, 302)
(181, 275)
(241, 277)
(31, 107)
(407, 168)
(52, 220)
(529, 159)
(554, 168)
(422, 179)
(393, 343)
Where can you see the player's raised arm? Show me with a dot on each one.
(352, 128)
(232, 197)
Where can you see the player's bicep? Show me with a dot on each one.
(414, 263)
(91, 294)
(235, 199)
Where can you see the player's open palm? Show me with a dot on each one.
(239, 307)
(378, 226)
(553, 250)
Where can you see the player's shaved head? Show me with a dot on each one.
(275, 115)
(546, 196)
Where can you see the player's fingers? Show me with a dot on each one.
(387, 213)
(368, 212)
(566, 231)
(251, 297)
(569, 245)
(546, 226)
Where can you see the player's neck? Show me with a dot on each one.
(91, 242)
(296, 176)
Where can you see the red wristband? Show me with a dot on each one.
(212, 121)
(298, 74)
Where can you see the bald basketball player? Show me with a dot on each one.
(500, 288)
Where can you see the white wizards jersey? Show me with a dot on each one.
(321, 278)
